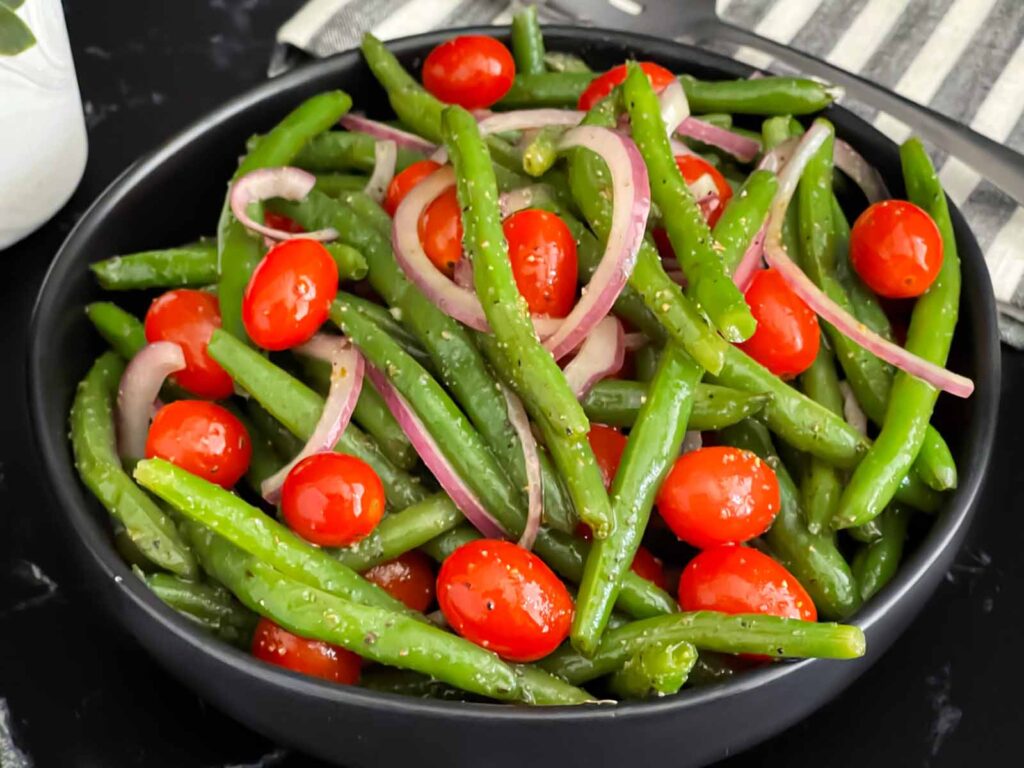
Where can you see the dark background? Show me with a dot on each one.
(79, 693)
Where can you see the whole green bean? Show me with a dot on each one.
(558, 61)
(335, 184)
(527, 42)
(867, 533)
(120, 329)
(369, 211)
(212, 605)
(821, 485)
(350, 262)
(776, 130)
(93, 441)
(713, 668)
(652, 446)
(646, 362)
(408, 683)
(339, 151)
(707, 281)
(265, 460)
(709, 630)
(386, 319)
(657, 670)
(540, 154)
(286, 444)
(876, 563)
(188, 265)
(743, 217)
(911, 401)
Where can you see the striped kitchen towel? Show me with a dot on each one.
(964, 58)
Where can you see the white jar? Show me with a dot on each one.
(42, 129)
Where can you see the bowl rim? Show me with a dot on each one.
(69, 497)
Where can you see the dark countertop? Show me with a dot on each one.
(76, 692)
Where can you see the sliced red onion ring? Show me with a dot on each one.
(346, 382)
(708, 204)
(776, 159)
(385, 154)
(428, 450)
(751, 261)
(692, 441)
(531, 457)
(463, 273)
(137, 392)
(852, 411)
(635, 341)
(742, 148)
(600, 356)
(516, 200)
(526, 119)
(674, 106)
(849, 326)
(266, 183)
(385, 132)
(866, 176)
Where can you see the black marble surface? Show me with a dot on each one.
(76, 692)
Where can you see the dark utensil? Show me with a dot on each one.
(361, 728)
(698, 21)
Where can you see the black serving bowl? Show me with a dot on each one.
(173, 195)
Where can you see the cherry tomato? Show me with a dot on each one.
(409, 578)
(647, 566)
(602, 85)
(787, 337)
(504, 598)
(203, 438)
(276, 645)
(607, 443)
(332, 499)
(736, 579)
(473, 71)
(896, 248)
(718, 495)
(440, 231)
(188, 318)
(282, 222)
(402, 184)
(289, 294)
(543, 255)
(701, 176)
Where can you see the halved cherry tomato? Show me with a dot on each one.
(473, 71)
(188, 318)
(402, 184)
(647, 566)
(543, 255)
(440, 231)
(896, 248)
(276, 645)
(602, 85)
(203, 438)
(718, 495)
(289, 294)
(787, 337)
(504, 598)
(409, 578)
(332, 499)
(607, 443)
(282, 222)
(735, 579)
(701, 176)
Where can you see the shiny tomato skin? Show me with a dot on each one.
(788, 334)
(602, 85)
(473, 71)
(505, 599)
(202, 438)
(403, 183)
(440, 231)
(737, 579)
(718, 495)
(332, 499)
(543, 255)
(276, 645)
(608, 444)
(896, 248)
(282, 222)
(188, 318)
(289, 294)
(408, 577)
(647, 566)
(693, 167)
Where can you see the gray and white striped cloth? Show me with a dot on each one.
(964, 58)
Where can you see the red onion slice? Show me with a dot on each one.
(742, 148)
(751, 261)
(852, 411)
(137, 392)
(516, 200)
(776, 159)
(674, 106)
(385, 132)
(849, 326)
(347, 368)
(463, 273)
(865, 175)
(428, 450)
(385, 154)
(526, 119)
(635, 341)
(692, 441)
(601, 355)
(531, 457)
(265, 183)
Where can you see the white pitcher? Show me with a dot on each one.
(42, 129)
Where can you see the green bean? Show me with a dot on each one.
(298, 408)
(408, 683)
(657, 670)
(743, 216)
(911, 401)
(527, 41)
(876, 563)
(709, 630)
(188, 265)
(812, 559)
(286, 444)
(548, 89)
(867, 533)
(120, 329)
(557, 61)
(646, 362)
(707, 281)
(616, 402)
(213, 606)
(821, 486)
(238, 252)
(93, 441)
(350, 262)
(335, 184)
(540, 154)
(653, 445)
(713, 668)
(386, 320)
(442, 546)
(265, 460)
(543, 689)
(339, 151)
